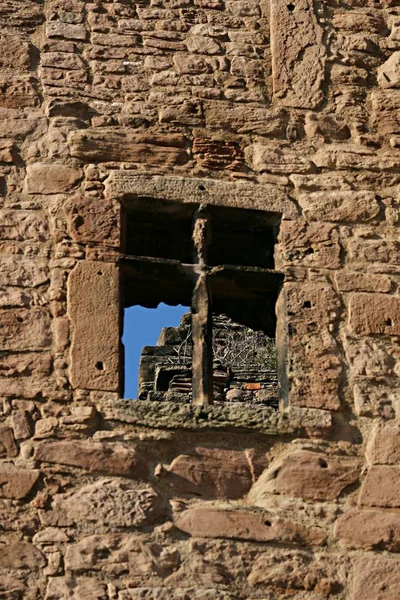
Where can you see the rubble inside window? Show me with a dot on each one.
(220, 262)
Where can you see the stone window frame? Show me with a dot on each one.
(120, 185)
(251, 282)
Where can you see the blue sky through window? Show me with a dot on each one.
(142, 326)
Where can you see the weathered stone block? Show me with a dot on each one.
(111, 459)
(114, 145)
(115, 503)
(306, 475)
(16, 483)
(246, 525)
(64, 588)
(376, 578)
(340, 206)
(51, 178)
(22, 271)
(25, 329)
(91, 220)
(362, 282)
(8, 448)
(213, 472)
(384, 446)
(298, 61)
(20, 555)
(381, 487)
(370, 530)
(374, 314)
(93, 306)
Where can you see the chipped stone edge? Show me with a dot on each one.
(168, 415)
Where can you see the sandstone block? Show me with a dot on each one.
(385, 115)
(22, 424)
(69, 31)
(370, 530)
(18, 92)
(20, 555)
(310, 244)
(362, 282)
(6, 151)
(376, 399)
(120, 553)
(115, 503)
(374, 314)
(274, 160)
(11, 588)
(51, 178)
(93, 306)
(23, 225)
(25, 329)
(64, 588)
(389, 72)
(245, 525)
(296, 571)
(381, 487)
(8, 448)
(94, 457)
(298, 61)
(376, 578)
(339, 206)
(384, 447)
(113, 145)
(254, 120)
(16, 483)
(23, 271)
(15, 52)
(91, 220)
(213, 472)
(306, 475)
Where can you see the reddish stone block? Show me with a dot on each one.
(245, 525)
(384, 448)
(8, 448)
(374, 314)
(306, 475)
(376, 578)
(369, 529)
(94, 457)
(213, 472)
(381, 487)
(16, 483)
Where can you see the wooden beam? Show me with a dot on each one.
(202, 371)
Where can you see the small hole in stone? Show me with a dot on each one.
(202, 188)
(388, 322)
(19, 319)
(307, 304)
(291, 7)
(268, 523)
(99, 365)
(322, 463)
(99, 272)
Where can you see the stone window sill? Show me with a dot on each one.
(235, 416)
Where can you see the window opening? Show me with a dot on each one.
(244, 365)
(142, 328)
(217, 260)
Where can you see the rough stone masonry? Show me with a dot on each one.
(285, 106)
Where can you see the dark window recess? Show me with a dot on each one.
(219, 261)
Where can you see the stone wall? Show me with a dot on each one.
(287, 107)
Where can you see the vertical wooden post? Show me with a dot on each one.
(202, 372)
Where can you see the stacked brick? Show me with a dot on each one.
(289, 107)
